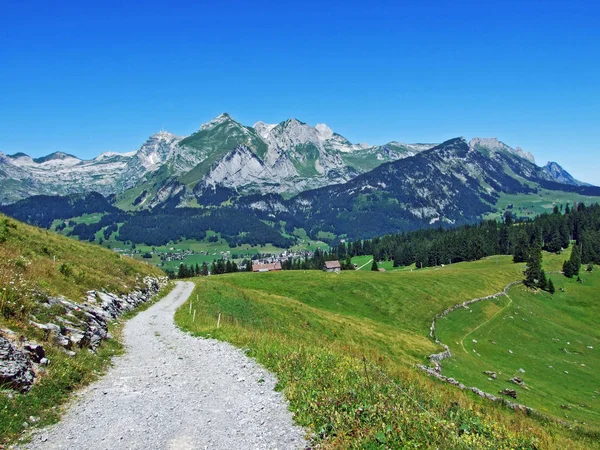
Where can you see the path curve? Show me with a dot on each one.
(175, 391)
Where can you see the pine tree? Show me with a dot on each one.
(204, 269)
(521, 249)
(568, 269)
(374, 266)
(543, 282)
(575, 260)
(551, 288)
(249, 266)
(534, 268)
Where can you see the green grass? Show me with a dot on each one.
(312, 329)
(549, 337)
(365, 262)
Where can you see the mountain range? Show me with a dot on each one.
(289, 173)
(285, 158)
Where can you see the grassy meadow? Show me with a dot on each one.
(313, 330)
(555, 345)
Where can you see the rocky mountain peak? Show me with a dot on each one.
(56, 156)
(263, 129)
(495, 145)
(324, 132)
(560, 175)
(220, 119)
(523, 154)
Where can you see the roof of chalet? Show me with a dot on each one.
(259, 267)
(332, 265)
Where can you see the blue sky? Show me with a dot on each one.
(88, 79)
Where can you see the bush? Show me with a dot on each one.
(590, 267)
(66, 269)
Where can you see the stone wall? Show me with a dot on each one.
(436, 367)
(79, 326)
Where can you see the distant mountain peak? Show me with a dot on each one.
(56, 156)
(263, 129)
(106, 155)
(495, 145)
(163, 134)
(220, 119)
(18, 155)
(560, 175)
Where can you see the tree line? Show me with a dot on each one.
(433, 247)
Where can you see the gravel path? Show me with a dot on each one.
(174, 391)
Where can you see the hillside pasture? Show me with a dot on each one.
(313, 330)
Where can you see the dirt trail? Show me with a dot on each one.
(174, 391)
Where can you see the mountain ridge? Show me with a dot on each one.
(288, 157)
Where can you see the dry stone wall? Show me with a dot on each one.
(435, 360)
(78, 326)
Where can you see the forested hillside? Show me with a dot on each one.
(433, 247)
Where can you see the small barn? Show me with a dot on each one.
(268, 267)
(332, 266)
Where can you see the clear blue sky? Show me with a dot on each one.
(88, 79)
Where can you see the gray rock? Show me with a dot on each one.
(36, 351)
(16, 369)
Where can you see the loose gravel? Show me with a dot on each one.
(175, 391)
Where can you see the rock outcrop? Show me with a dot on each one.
(16, 367)
(78, 326)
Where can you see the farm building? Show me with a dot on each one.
(332, 266)
(271, 267)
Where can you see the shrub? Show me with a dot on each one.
(66, 269)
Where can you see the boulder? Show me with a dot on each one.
(509, 392)
(516, 380)
(16, 369)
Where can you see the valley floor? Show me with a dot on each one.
(172, 390)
